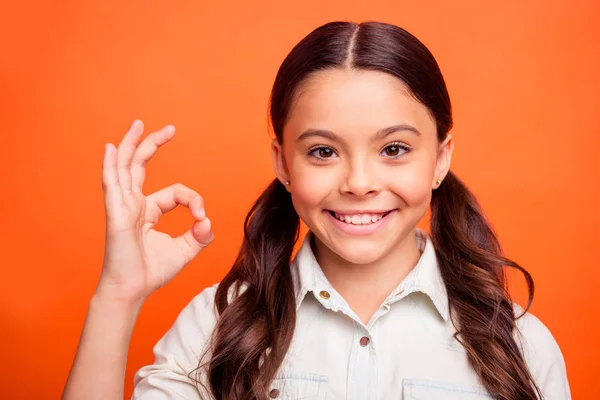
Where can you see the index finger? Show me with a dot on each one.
(170, 197)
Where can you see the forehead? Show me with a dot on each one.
(355, 102)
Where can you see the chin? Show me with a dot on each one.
(360, 252)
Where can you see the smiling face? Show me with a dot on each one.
(362, 157)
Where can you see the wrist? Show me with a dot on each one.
(123, 298)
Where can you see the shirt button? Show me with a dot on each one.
(325, 294)
(274, 393)
(364, 341)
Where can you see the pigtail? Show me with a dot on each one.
(472, 266)
(255, 330)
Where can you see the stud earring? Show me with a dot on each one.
(438, 181)
(287, 182)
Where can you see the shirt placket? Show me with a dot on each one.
(362, 368)
(362, 371)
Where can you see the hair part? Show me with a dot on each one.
(255, 327)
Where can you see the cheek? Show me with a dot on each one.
(413, 185)
(310, 185)
(308, 194)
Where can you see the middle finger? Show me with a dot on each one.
(145, 151)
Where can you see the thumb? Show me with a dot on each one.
(196, 238)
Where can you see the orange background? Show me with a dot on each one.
(74, 74)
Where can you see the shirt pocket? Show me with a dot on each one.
(425, 389)
(299, 386)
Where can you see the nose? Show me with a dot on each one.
(360, 180)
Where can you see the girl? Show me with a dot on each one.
(370, 307)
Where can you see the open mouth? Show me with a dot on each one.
(359, 219)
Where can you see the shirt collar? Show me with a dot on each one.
(425, 277)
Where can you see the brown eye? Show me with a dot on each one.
(396, 150)
(392, 151)
(325, 152)
(321, 153)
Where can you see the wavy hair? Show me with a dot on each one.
(255, 328)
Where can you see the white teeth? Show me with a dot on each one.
(360, 219)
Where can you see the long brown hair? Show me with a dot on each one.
(255, 327)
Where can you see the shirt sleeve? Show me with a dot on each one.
(178, 353)
(543, 356)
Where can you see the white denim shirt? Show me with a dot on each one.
(406, 350)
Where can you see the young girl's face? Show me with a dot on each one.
(343, 163)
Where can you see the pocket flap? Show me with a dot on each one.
(299, 386)
(425, 389)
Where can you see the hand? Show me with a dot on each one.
(138, 259)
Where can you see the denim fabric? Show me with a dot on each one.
(407, 349)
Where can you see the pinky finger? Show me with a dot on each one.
(110, 175)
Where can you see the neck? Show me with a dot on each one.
(366, 286)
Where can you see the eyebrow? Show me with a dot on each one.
(380, 134)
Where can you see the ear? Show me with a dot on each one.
(279, 164)
(444, 158)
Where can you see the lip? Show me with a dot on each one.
(354, 212)
(351, 229)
